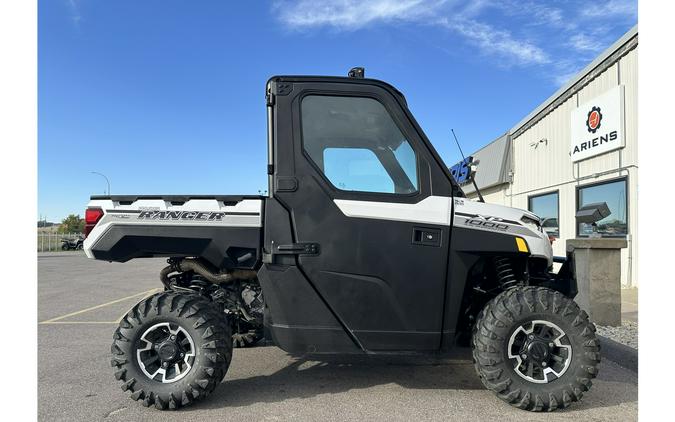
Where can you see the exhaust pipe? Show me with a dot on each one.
(199, 267)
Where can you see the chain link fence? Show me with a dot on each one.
(53, 241)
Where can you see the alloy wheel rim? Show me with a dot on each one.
(540, 351)
(166, 352)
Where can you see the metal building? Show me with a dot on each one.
(578, 147)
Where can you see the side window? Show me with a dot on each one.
(356, 169)
(357, 145)
(546, 207)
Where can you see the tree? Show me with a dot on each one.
(72, 224)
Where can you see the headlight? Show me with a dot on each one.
(532, 223)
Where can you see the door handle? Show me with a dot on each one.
(303, 248)
(426, 236)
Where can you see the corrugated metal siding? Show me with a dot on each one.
(544, 163)
(601, 84)
(494, 195)
(494, 164)
(628, 74)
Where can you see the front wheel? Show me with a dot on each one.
(535, 348)
(172, 349)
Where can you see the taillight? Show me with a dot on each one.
(91, 217)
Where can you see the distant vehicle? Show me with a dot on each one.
(551, 227)
(365, 244)
(72, 244)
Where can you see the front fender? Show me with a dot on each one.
(565, 280)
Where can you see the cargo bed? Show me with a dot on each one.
(223, 229)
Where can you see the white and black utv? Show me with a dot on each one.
(365, 244)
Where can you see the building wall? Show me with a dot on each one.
(541, 161)
(493, 195)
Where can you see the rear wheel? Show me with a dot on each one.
(172, 349)
(535, 348)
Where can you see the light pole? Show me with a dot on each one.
(106, 179)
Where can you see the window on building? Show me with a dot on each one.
(546, 207)
(615, 195)
(357, 145)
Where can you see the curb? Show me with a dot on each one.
(622, 355)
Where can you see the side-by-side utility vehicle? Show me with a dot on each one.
(365, 244)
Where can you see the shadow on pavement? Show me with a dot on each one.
(315, 375)
(307, 377)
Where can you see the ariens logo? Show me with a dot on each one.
(593, 120)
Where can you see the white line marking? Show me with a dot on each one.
(101, 305)
(76, 322)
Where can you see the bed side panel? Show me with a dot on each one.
(227, 234)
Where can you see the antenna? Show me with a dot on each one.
(473, 179)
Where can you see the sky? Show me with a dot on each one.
(167, 96)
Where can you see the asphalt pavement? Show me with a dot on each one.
(80, 301)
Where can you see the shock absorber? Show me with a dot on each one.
(505, 274)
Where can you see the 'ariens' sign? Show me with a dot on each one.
(597, 126)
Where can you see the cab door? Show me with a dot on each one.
(370, 208)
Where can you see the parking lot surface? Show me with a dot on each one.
(80, 300)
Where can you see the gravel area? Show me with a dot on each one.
(626, 334)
